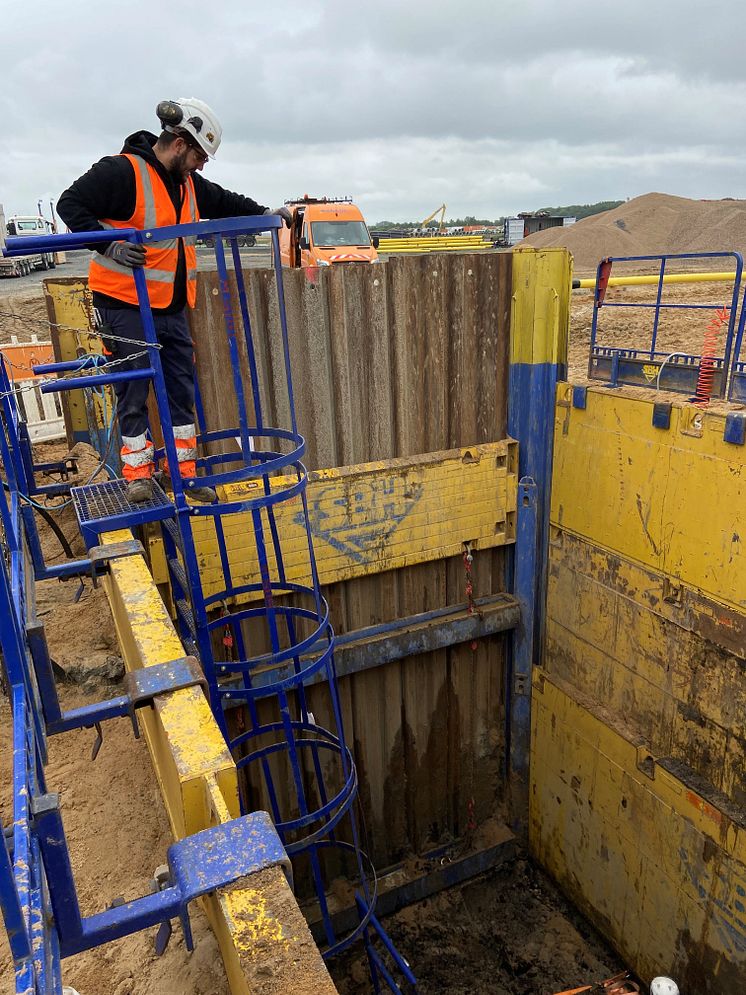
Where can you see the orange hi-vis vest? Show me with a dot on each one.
(153, 209)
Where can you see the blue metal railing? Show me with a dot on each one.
(302, 771)
(38, 897)
(651, 366)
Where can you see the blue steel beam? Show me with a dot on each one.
(539, 327)
(376, 645)
(527, 586)
(442, 872)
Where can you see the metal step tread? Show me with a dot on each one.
(170, 526)
(104, 507)
(178, 571)
(185, 613)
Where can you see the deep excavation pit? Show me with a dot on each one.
(417, 373)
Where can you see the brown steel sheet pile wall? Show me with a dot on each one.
(397, 359)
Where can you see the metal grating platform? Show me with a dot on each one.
(104, 508)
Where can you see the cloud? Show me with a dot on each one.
(491, 107)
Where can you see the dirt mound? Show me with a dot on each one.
(652, 224)
(23, 315)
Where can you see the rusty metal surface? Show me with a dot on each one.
(395, 360)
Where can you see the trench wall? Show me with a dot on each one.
(395, 361)
(638, 739)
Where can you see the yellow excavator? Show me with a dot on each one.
(438, 210)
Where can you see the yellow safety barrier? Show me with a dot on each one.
(257, 921)
(647, 279)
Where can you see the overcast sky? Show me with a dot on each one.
(492, 107)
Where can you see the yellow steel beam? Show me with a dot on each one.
(433, 244)
(263, 937)
(647, 279)
(68, 306)
(637, 844)
(540, 306)
(374, 517)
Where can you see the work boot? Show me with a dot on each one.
(140, 490)
(205, 495)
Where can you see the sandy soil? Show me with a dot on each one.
(23, 315)
(651, 224)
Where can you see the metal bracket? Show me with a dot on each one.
(101, 556)
(520, 682)
(198, 864)
(662, 414)
(735, 428)
(141, 687)
(144, 685)
(672, 592)
(645, 762)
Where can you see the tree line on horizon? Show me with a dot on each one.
(578, 211)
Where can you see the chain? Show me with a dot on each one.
(40, 381)
(468, 560)
(78, 331)
(472, 607)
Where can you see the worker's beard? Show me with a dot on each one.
(179, 168)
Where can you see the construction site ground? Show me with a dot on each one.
(509, 932)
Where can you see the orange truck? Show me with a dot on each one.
(325, 231)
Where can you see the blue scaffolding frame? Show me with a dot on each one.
(304, 771)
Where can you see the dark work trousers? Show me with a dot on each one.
(177, 359)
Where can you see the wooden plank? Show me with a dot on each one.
(418, 325)
(360, 363)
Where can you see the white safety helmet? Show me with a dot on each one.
(663, 986)
(193, 117)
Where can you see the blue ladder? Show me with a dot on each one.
(302, 772)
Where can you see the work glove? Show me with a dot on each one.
(281, 212)
(126, 254)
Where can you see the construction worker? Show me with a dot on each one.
(154, 182)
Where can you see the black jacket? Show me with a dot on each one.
(107, 190)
